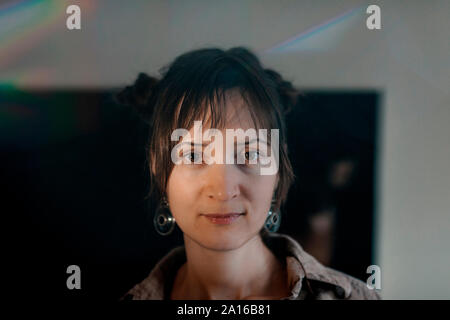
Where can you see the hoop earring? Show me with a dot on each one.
(273, 220)
(163, 220)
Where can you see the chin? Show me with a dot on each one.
(224, 241)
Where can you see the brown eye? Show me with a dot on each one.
(251, 155)
(192, 156)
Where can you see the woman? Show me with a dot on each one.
(228, 211)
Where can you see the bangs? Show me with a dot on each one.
(203, 96)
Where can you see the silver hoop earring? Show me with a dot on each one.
(163, 220)
(273, 220)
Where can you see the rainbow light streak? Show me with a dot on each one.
(24, 24)
(11, 6)
(314, 30)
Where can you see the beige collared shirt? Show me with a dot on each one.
(307, 278)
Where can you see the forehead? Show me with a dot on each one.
(235, 112)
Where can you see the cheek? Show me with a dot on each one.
(180, 191)
(260, 193)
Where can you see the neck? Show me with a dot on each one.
(247, 272)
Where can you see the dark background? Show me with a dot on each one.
(74, 179)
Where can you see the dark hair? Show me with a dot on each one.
(195, 84)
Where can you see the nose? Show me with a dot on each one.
(223, 182)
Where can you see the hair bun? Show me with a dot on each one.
(138, 95)
(288, 94)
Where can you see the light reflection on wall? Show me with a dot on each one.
(26, 24)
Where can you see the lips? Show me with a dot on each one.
(220, 218)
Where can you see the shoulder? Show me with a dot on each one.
(318, 280)
(157, 284)
(344, 286)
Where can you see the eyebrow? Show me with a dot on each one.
(195, 144)
(192, 144)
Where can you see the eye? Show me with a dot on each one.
(192, 157)
(252, 155)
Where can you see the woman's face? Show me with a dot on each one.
(196, 192)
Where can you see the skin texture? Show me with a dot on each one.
(225, 261)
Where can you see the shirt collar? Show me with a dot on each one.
(298, 263)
